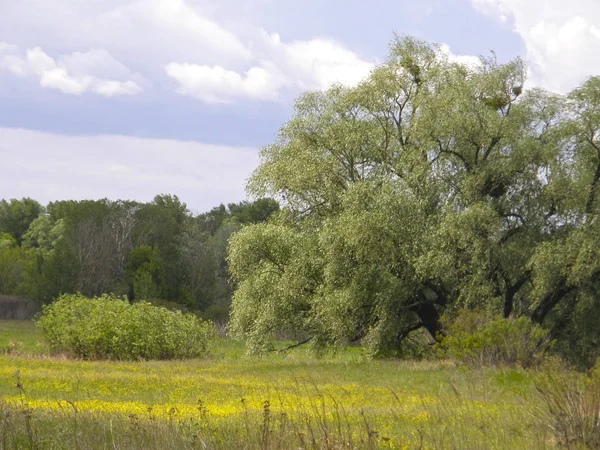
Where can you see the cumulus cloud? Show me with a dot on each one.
(145, 33)
(10, 60)
(562, 39)
(218, 85)
(73, 74)
(316, 63)
(183, 45)
(35, 164)
(467, 60)
(297, 65)
(176, 27)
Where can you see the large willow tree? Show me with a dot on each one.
(431, 186)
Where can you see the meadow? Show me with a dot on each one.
(291, 400)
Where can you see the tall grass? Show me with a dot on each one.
(291, 400)
(571, 408)
(303, 416)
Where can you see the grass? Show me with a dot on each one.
(21, 336)
(282, 401)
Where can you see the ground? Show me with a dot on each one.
(337, 401)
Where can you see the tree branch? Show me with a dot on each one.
(305, 341)
(405, 332)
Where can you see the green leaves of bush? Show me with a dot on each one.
(108, 327)
(476, 339)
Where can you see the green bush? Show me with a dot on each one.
(109, 327)
(475, 339)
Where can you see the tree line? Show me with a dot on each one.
(154, 250)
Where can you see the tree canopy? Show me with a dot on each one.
(430, 187)
(147, 251)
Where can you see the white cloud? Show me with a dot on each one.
(73, 74)
(467, 60)
(562, 39)
(218, 85)
(295, 66)
(171, 27)
(50, 167)
(95, 61)
(110, 88)
(317, 63)
(9, 60)
(213, 58)
(147, 32)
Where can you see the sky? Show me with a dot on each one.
(131, 98)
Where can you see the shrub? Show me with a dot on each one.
(109, 327)
(475, 339)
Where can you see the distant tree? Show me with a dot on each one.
(7, 241)
(205, 249)
(17, 215)
(143, 269)
(44, 234)
(200, 262)
(146, 250)
(161, 225)
(253, 212)
(241, 213)
(15, 262)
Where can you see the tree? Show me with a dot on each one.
(7, 241)
(17, 215)
(43, 234)
(161, 225)
(204, 249)
(15, 263)
(144, 273)
(430, 187)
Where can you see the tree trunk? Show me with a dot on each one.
(549, 301)
(429, 317)
(511, 291)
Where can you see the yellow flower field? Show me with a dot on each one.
(282, 401)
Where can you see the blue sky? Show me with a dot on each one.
(130, 98)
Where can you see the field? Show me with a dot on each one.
(295, 400)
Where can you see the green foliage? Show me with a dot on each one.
(276, 269)
(56, 273)
(17, 215)
(578, 338)
(16, 266)
(152, 250)
(44, 234)
(7, 241)
(143, 269)
(430, 187)
(109, 327)
(475, 339)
